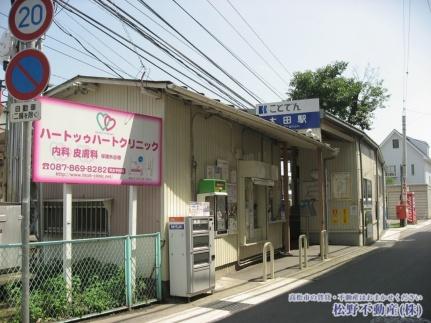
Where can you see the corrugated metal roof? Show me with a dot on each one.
(353, 130)
(270, 129)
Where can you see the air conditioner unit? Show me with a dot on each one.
(10, 232)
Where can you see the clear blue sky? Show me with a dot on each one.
(304, 34)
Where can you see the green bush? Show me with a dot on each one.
(97, 298)
(116, 287)
(96, 287)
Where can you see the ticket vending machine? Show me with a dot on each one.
(191, 255)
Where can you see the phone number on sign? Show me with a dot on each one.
(83, 168)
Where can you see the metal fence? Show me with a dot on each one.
(99, 275)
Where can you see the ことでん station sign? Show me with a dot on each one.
(300, 115)
(86, 144)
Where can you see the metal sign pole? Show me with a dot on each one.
(132, 221)
(67, 236)
(25, 209)
(25, 224)
(18, 88)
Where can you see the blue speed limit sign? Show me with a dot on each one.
(30, 19)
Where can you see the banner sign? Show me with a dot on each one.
(86, 144)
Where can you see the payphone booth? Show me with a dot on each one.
(214, 192)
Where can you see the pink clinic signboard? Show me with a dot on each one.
(86, 144)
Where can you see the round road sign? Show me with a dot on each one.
(30, 19)
(27, 74)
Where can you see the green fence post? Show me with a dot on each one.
(128, 268)
(158, 267)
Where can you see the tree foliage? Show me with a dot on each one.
(351, 99)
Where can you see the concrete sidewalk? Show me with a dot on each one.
(241, 289)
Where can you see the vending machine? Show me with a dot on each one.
(411, 208)
(214, 192)
(191, 255)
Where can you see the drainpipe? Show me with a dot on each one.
(362, 193)
(325, 169)
(239, 229)
(377, 195)
(385, 205)
(193, 163)
(286, 227)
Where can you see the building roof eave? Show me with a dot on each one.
(275, 131)
(282, 134)
(357, 132)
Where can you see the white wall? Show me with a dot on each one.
(428, 173)
(393, 156)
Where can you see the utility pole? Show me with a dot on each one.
(403, 201)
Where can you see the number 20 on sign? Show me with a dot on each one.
(30, 19)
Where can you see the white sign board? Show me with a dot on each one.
(341, 185)
(86, 144)
(25, 111)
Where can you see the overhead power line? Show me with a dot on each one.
(115, 12)
(406, 51)
(169, 50)
(164, 28)
(143, 68)
(79, 60)
(63, 29)
(123, 41)
(202, 53)
(94, 48)
(72, 57)
(261, 40)
(104, 44)
(267, 85)
(248, 43)
(59, 76)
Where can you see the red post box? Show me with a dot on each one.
(401, 211)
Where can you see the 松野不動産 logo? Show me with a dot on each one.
(105, 121)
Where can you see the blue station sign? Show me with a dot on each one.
(295, 115)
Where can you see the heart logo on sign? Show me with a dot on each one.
(105, 121)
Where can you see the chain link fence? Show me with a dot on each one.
(80, 278)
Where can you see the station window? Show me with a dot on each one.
(367, 188)
(395, 143)
(412, 169)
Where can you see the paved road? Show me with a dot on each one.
(400, 267)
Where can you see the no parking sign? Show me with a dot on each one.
(27, 74)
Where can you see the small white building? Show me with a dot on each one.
(418, 172)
